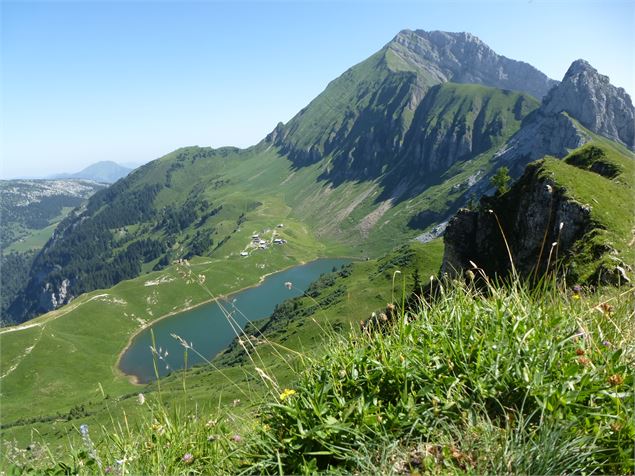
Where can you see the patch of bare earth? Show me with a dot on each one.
(370, 220)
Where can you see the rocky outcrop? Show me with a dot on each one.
(53, 297)
(567, 215)
(589, 97)
(534, 215)
(464, 58)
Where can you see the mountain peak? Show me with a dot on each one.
(105, 171)
(447, 36)
(589, 97)
(441, 37)
(462, 57)
(580, 66)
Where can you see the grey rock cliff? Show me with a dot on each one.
(530, 217)
(589, 97)
(541, 134)
(464, 58)
(583, 98)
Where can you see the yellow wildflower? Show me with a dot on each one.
(286, 394)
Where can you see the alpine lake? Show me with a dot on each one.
(210, 328)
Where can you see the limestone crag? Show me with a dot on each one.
(464, 58)
(583, 100)
(53, 297)
(535, 214)
(589, 97)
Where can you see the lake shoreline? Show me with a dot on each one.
(134, 379)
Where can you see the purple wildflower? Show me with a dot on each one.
(188, 458)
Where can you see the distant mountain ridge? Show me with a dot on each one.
(105, 171)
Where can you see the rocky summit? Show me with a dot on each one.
(464, 58)
(583, 104)
(599, 106)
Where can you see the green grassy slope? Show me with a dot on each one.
(370, 96)
(192, 201)
(471, 383)
(600, 175)
(72, 353)
(80, 342)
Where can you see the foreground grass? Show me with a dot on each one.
(509, 381)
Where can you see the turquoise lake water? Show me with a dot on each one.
(207, 328)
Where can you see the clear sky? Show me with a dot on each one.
(85, 81)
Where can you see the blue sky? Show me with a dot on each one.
(85, 81)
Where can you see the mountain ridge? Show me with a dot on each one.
(450, 51)
(340, 121)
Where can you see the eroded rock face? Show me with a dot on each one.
(589, 97)
(584, 96)
(53, 296)
(440, 136)
(533, 216)
(541, 134)
(464, 58)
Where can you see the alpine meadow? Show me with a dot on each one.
(427, 270)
